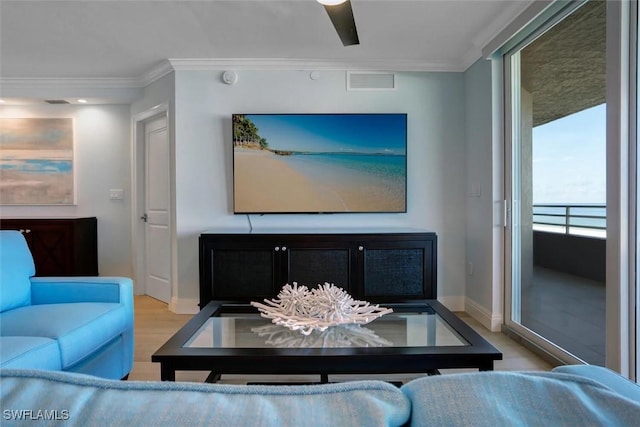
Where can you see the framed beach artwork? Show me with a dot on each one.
(36, 161)
(319, 163)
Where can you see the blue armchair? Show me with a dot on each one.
(75, 324)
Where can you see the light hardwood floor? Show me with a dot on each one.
(155, 324)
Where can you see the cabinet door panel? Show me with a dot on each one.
(50, 247)
(393, 271)
(311, 267)
(397, 272)
(242, 273)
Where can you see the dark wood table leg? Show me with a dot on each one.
(324, 378)
(486, 366)
(167, 373)
(213, 378)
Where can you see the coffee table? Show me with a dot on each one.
(418, 337)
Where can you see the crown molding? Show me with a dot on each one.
(193, 64)
(470, 57)
(155, 73)
(521, 17)
(69, 82)
(490, 32)
(162, 69)
(203, 64)
(502, 21)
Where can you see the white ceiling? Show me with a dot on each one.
(128, 39)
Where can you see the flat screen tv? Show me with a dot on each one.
(319, 163)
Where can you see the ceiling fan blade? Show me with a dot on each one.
(341, 16)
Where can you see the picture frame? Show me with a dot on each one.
(37, 161)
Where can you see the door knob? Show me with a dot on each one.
(145, 217)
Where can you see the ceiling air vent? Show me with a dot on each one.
(56, 101)
(370, 81)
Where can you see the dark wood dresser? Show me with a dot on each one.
(60, 246)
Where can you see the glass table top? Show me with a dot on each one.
(249, 330)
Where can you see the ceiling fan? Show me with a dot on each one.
(341, 16)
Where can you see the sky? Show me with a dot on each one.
(569, 159)
(357, 133)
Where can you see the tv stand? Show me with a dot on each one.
(389, 266)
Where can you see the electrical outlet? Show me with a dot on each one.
(470, 268)
(475, 190)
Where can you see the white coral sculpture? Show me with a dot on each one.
(304, 310)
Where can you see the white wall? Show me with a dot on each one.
(484, 193)
(435, 103)
(200, 108)
(102, 162)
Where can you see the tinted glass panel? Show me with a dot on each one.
(426, 329)
(397, 272)
(313, 267)
(242, 273)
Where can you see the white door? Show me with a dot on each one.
(157, 210)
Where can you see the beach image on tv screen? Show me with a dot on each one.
(307, 163)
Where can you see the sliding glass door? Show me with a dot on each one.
(556, 185)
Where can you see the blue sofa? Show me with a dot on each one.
(568, 396)
(75, 324)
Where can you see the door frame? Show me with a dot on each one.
(622, 196)
(138, 195)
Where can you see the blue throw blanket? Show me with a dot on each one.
(80, 400)
(575, 396)
(519, 399)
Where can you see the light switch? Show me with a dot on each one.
(116, 194)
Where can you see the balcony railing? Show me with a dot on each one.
(579, 219)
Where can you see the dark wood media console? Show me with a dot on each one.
(375, 266)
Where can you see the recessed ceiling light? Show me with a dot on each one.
(331, 2)
(82, 101)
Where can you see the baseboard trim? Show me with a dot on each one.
(184, 305)
(493, 322)
(452, 303)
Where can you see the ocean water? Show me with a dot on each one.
(40, 166)
(368, 183)
(337, 169)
